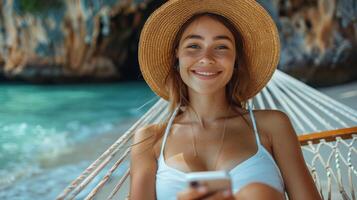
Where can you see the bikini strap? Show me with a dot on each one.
(167, 130)
(254, 123)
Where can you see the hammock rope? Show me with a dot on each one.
(326, 130)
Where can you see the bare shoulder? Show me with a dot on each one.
(273, 120)
(147, 137)
(275, 124)
(272, 116)
(148, 131)
(148, 134)
(143, 159)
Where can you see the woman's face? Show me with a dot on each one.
(206, 55)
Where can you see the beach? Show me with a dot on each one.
(50, 134)
(47, 170)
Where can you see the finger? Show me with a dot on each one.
(192, 193)
(225, 195)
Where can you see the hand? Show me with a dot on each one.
(202, 193)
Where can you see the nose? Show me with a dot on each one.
(206, 59)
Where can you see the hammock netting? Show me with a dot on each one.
(326, 129)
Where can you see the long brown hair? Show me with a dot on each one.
(178, 90)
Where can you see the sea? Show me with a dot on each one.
(50, 133)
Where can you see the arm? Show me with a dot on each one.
(143, 165)
(287, 152)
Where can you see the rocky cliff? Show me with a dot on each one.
(74, 40)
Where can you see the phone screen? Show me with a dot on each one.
(213, 180)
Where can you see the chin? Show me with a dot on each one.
(207, 90)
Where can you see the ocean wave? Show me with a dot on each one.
(24, 148)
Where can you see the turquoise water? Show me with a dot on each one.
(41, 123)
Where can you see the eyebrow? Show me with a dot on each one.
(219, 37)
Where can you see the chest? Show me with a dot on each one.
(187, 150)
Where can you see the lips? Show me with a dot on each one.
(205, 75)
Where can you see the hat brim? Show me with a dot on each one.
(260, 37)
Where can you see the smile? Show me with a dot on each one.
(205, 75)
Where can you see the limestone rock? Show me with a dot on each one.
(98, 39)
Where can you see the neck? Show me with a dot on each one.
(206, 108)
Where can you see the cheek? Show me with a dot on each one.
(227, 60)
(228, 63)
(227, 57)
(185, 62)
(229, 76)
(187, 59)
(184, 73)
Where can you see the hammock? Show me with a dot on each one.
(326, 129)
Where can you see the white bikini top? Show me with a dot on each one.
(260, 167)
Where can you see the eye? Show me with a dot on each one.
(193, 46)
(221, 47)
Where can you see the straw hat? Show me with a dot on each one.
(261, 46)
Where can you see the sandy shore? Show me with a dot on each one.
(57, 172)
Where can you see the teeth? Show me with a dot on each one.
(206, 73)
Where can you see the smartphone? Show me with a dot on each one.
(213, 180)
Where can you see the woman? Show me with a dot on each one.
(207, 58)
